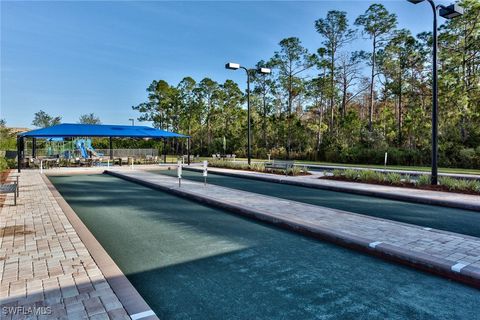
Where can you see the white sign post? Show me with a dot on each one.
(386, 155)
(179, 172)
(205, 170)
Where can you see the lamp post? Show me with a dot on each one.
(133, 121)
(447, 12)
(235, 66)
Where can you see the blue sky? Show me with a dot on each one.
(72, 58)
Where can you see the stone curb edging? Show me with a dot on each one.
(129, 297)
(424, 262)
(379, 194)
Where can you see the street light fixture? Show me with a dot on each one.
(451, 11)
(232, 66)
(133, 121)
(236, 66)
(447, 12)
(264, 70)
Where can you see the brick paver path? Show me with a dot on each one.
(456, 200)
(44, 266)
(451, 253)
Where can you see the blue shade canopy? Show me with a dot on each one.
(100, 130)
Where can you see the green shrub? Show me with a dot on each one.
(423, 179)
(294, 171)
(258, 166)
(351, 174)
(364, 175)
(407, 178)
(476, 186)
(337, 172)
(228, 164)
(393, 178)
(460, 184)
(3, 164)
(448, 182)
(370, 176)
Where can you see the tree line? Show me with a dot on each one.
(338, 105)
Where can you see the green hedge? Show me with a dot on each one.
(3, 164)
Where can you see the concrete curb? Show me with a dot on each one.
(438, 266)
(379, 194)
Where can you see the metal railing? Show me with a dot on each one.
(136, 153)
(118, 153)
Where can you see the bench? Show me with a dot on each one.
(10, 188)
(279, 164)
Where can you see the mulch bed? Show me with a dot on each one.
(406, 185)
(4, 175)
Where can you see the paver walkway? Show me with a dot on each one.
(454, 200)
(46, 272)
(454, 255)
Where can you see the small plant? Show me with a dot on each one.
(423, 180)
(336, 172)
(472, 185)
(369, 176)
(351, 174)
(407, 178)
(450, 183)
(460, 184)
(379, 176)
(3, 164)
(294, 171)
(258, 166)
(476, 186)
(393, 178)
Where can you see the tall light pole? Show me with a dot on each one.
(447, 12)
(235, 66)
(133, 121)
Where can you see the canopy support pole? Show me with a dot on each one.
(34, 148)
(164, 150)
(188, 150)
(20, 149)
(111, 149)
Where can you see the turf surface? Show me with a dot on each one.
(443, 218)
(194, 262)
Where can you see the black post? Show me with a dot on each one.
(434, 178)
(111, 149)
(19, 153)
(34, 147)
(188, 150)
(164, 150)
(249, 148)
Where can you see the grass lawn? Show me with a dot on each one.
(375, 166)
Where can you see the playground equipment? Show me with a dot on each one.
(84, 146)
(89, 148)
(68, 149)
